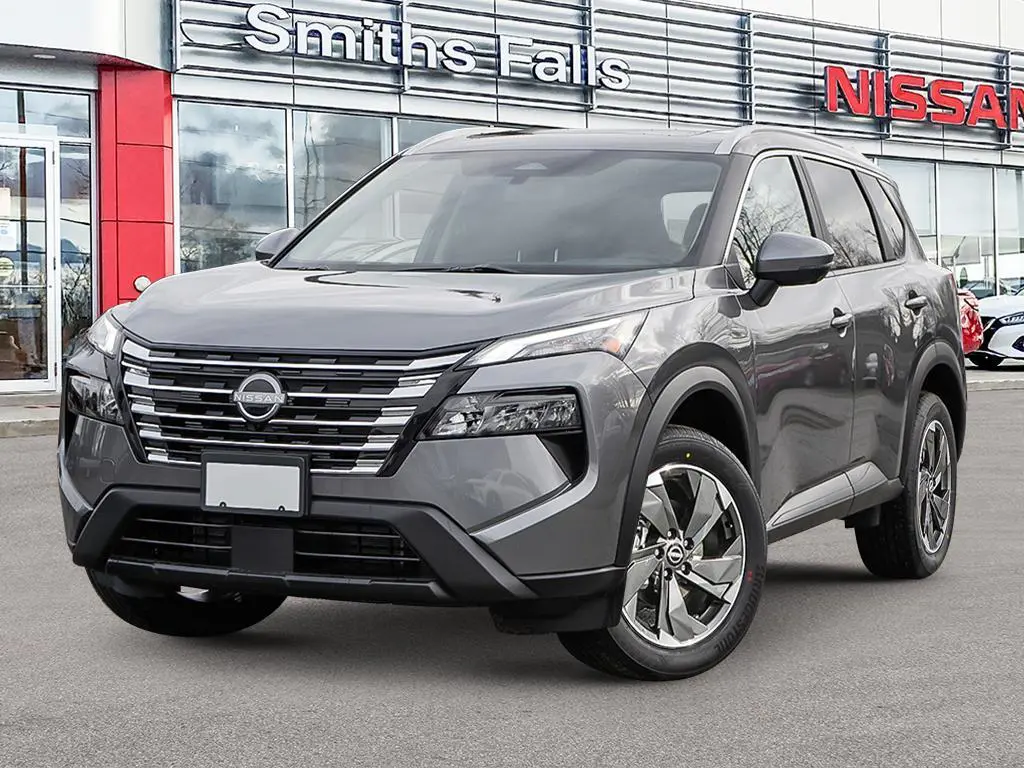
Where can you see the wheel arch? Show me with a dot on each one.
(683, 392)
(940, 372)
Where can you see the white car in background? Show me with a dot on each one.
(1002, 318)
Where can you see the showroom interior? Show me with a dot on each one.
(125, 158)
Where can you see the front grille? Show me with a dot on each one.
(345, 548)
(344, 412)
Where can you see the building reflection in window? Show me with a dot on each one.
(966, 216)
(332, 152)
(916, 181)
(233, 181)
(76, 239)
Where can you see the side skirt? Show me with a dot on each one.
(860, 488)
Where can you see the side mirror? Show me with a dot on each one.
(789, 259)
(274, 243)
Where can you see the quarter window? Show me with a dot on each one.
(849, 228)
(889, 221)
(773, 203)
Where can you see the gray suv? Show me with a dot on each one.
(581, 378)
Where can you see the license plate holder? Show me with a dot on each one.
(255, 484)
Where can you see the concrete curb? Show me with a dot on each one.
(996, 385)
(28, 428)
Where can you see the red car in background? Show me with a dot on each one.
(970, 321)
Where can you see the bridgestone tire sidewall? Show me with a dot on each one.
(707, 453)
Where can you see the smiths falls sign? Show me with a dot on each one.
(272, 29)
(944, 101)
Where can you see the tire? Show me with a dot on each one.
(207, 614)
(896, 548)
(986, 362)
(685, 459)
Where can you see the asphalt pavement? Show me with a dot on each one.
(839, 669)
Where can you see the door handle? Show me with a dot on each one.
(916, 303)
(841, 321)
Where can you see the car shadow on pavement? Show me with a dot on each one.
(817, 573)
(345, 641)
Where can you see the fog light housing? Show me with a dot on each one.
(505, 414)
(93, 398)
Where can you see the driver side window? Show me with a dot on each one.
(773, 203)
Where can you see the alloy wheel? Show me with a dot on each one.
(934, 489)
(688, 558)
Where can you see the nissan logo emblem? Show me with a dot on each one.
(259, 397)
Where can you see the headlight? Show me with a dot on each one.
(614, 336)
(501, 414)
(1016, 319)
(92, 397)
(105, 335)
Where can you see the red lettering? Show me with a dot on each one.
(1016, 107)
(985, 106)
(915, 104)
(838, 82)
(944, 95)
(878, 91)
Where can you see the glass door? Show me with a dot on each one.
(29, 303)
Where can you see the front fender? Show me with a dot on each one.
(697, 368)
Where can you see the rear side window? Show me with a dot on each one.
(849, 227)
(889, 222)
(773, 203)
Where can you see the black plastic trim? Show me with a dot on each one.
(466, 573)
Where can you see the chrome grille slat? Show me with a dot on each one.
(138, 352)
(156, 435)
(345, 412)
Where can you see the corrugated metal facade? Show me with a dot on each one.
(688, 63)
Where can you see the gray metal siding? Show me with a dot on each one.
(689, 62)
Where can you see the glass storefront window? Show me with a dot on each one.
(76, 238)
(966, 215)
(332, 152)
(233, 181)
(412, 132)
(1010, 198)
(916, 181)
(24, 262)
(68, 112)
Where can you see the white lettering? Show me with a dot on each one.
(281, 38)
(387, 45)
(369, 42)
(551, 67)
(614, 74)
(409, 43)
(272, 29)
(459, 56)
(326, 35)
(507, 56)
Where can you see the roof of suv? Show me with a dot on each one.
(744, 140)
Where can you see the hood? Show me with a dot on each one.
(1000, 306)
(251, 305)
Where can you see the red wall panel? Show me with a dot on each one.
(136, 180)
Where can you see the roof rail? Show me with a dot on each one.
(729, 142)
(439, 138)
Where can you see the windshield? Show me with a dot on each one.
(539, 211)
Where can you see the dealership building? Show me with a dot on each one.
(139, 138)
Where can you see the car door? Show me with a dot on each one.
(803, 349)
(870, 240)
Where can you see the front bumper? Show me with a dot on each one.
(1003, 341)
(496, 521)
